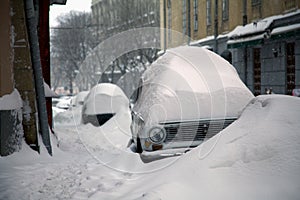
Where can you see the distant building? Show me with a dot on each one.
(260, 38)
(114, 16)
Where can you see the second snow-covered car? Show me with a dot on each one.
(102, 103)
(187, 96)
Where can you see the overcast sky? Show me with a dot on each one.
(78, 5)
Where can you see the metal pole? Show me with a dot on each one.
(216, 31)
(245, 17)
(189, 21)
(245, 48)
(31, 20)
(44, 43)
(165, 25)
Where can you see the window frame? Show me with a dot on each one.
(195, 15)
(225, 10)
(208, 13)
(184, 17)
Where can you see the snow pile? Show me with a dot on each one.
(48, 91)
(11, 101)
(257, 157)
(67, 117)
(11, 124)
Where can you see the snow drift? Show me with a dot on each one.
(257, 157)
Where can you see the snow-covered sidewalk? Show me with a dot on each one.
(257, 157)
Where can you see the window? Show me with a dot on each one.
(255, 2)
(184, 16)
(225, 10)
(195, 15)
(290, 4)
(208, 12)
(256, 9)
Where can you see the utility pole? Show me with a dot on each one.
(216, 29)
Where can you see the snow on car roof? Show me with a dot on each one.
(201, 70)
(107, 89)
(80, 97)
(191, 83)
(105, 98)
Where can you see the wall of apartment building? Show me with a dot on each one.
(269, 8)
(235, 10)
(273, 66)
(114, 16)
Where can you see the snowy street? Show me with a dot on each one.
(150, 100)
(257, 157)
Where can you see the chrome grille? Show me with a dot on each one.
(194, 130)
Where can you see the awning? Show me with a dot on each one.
(245, 42)
(270, 28)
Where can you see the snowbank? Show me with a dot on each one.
(257, 157)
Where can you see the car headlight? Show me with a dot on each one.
(157, 135)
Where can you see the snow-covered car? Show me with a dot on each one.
(187, 96)
(64, 102)
(78, 100)
(102, 103)
(80, 97)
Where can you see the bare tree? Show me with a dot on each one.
(71, 41)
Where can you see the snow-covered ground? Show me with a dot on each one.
(257, 157)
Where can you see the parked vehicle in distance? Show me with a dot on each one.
(64, 102)
(187, 96)
(102, 102)
(296, 92)
(78, 99)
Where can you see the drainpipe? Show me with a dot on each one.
(245, 17)
(31, 20)
(189, 21)
(245, 48)
(165, 25)
(216, 30)
(44, 43)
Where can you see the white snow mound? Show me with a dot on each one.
(257, 157)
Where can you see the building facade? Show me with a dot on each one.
(259, 37)
(114, 16)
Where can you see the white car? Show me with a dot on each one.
(187, 96)
(102, 103)
(78, 100)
